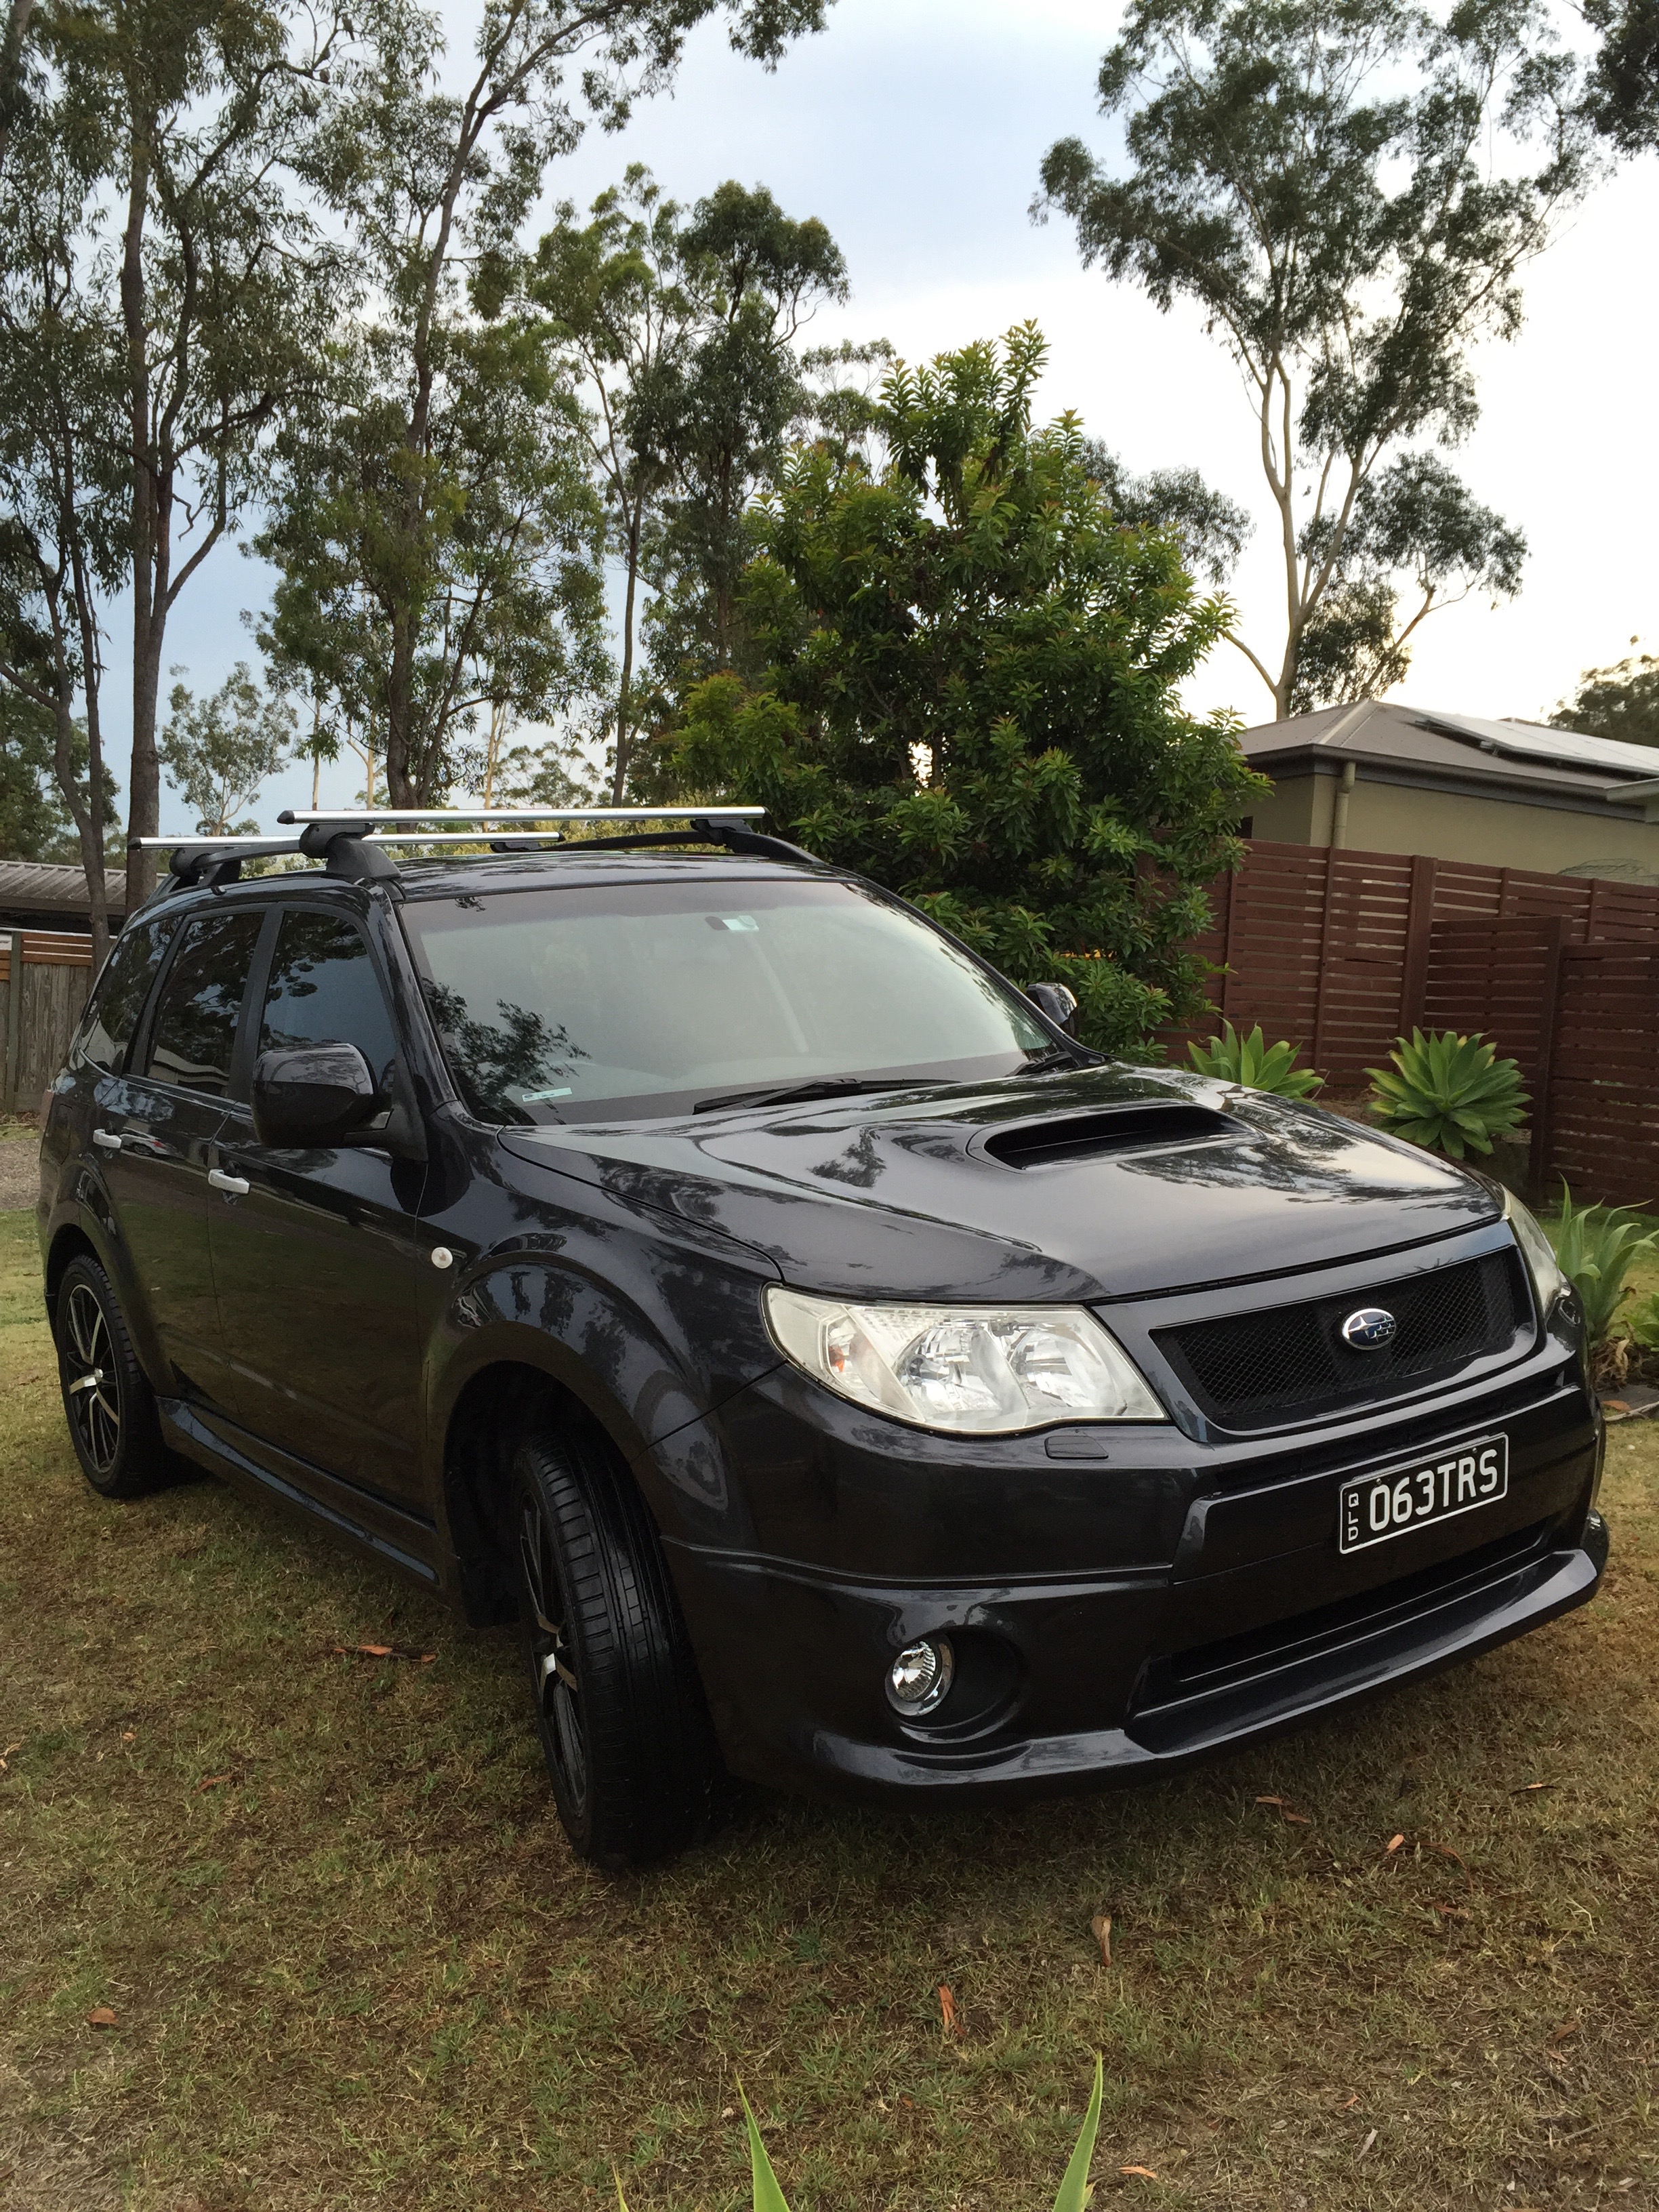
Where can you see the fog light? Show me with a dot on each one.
(920, 1678)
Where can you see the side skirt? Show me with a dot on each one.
(401, 1538)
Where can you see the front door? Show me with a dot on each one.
(316, 1263)
(156, 1129)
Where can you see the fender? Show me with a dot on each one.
(83, 1204)
(622, 1352)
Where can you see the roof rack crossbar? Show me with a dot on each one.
(377, 814)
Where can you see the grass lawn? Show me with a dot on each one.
(351, 1962)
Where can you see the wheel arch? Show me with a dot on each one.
(70, 1242)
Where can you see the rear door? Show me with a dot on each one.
(155, 1130)
(316, 1262)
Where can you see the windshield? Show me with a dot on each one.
(602, 1002)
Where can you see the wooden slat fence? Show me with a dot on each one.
(42, 1002)
(1599, 1127)
(1343, 951)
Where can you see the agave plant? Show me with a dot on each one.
(1257, 1066)
(1450, 1093)
(1594, 1246)
(1074, 2192)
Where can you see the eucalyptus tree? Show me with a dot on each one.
(63, 505)
(614, 287)
(433, 186)
(219, 751)
(1623, 102)
(1313, 175)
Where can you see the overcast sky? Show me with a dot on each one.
(914, 128)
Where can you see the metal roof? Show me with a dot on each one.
(1413, 742)
(45, 886)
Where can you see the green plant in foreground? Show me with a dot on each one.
(1074, 2192)
(1261, 1066)
(1449, 1093)
(1594, 1246)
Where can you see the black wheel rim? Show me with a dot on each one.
(90, 1380)
(552, 1662)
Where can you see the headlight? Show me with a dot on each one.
(981, 1371)
(1547, 1280)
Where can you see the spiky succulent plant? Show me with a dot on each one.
(1451, 1094)
(1248, 1060)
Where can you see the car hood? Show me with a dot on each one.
(1100, 1182)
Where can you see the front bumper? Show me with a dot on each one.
(1112, 1617)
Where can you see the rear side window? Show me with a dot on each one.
(323, 990)
(194, 1032)
(112, 1017)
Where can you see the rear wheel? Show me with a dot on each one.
(626, 1734)
(107, 1401)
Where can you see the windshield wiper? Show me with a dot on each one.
(1073, 1055)
(823, 1086)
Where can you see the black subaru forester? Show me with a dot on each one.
(850, 1381)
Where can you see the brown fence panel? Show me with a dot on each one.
(53, 984)
(1601, 1129)
(1497, 979)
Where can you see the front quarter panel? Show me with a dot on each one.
(650, 1322)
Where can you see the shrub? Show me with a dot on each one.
(1075, 2190)
(1594, 1246)
(1259, 1067)
(1449, 1093)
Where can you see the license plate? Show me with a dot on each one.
(1375, 1507)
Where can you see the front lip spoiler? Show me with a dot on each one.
(1537, 1590)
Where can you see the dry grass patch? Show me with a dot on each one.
(351, 1962)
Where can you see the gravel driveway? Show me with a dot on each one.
(20, 1172)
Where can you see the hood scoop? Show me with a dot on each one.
(1153, 1126)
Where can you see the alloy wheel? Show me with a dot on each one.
(93, 1391)
(552, 1660)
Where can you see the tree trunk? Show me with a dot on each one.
(624, 696)
(399, 783)
(149, 602)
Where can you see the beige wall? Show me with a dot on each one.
(1389, 817)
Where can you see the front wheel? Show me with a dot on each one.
(108, 1400)
(629, 1749)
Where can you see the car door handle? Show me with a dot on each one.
(236, 1185)
(108, 1139)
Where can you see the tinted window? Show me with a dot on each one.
(195, 1026)
(322, 990)
(122, 990)
(640, 999)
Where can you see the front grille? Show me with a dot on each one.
(1283, 1364)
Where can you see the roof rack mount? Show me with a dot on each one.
(352, 845)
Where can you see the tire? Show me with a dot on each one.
(619, 1706)
(107, 1401)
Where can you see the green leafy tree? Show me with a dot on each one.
(414, 515)
(1622, 100)
(62, 489)
(757, 274)
(218, 752)
(1209, 529)
(213, 290)
(35, 822)
(1316, 176)
(1620, 701)
(614, 287)
(971, 693)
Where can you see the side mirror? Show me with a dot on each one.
(1056, 1001)
(318, 1096)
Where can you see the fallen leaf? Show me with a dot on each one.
(1145, 2172)
(1369, 2141)
(1273, 1800)
(1615, 1406)
(1567, 2028)
(101, 2016)
(426, 1658)
(1527, 1786)
(375, 1651)
(129, 1735)
(211, 1782)
(1101, 1928)
(947, 2006)
(1300, 1818)
(1395, 1841)
(1352, 2102)
(1447, 1852)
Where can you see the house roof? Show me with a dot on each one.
(41, 887)
(1420, 745)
